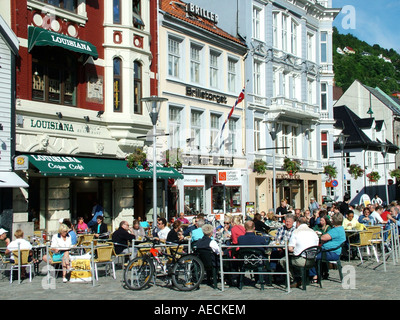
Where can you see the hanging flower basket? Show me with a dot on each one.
(395, 173)
(373, 176)
(356, 171)
(172, 158)
(259, 166)
(330, 171)
(137, 159)
(291, 166)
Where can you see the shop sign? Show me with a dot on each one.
(206, 95)
(203, 13)
(231, 177)
(21, 163)
(193, 180)
(51, 125)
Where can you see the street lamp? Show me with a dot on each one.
(273, 128)
(384, 150)
(153, 105)
(342, 138)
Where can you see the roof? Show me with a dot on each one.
(384, 98)
(177, 9)
(352, 126)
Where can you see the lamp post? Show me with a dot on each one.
(384, 150)
(273, 128)
(153, 105)
(342, 138)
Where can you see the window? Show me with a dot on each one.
(310, 46)
(285, 139)
(275, 30)
(214, 71)
(232, 74)
(324, 99)
(174, 125)
(70, 5)
(195, 63)
(256, 23)
(136, 13)
(194, 198)
(324, 144)
(137, 87)
(310, 91)
(257, 78)
(214, 129)
(117, 11)
(196, 128)
(294, 141)
(257, 134)
(54, 74)
(284, 32)
(324, 43)
(293, 38)
(117, 85)
(173, 57)
(232, 140)
(232, 196)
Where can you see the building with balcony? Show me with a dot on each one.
(289, 109)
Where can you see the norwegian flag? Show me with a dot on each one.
(238, 100)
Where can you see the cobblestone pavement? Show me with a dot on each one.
(361, 282)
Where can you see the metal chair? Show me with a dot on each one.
(252, 259)
(309, 255)
(104, 255)
(365, 242)
(327, 262)
(209, 259)
(21, 260)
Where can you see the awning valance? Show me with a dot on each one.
(95, 167)
(42, 37)
(11, 180)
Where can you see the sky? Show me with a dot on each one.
(373, 21)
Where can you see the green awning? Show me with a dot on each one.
(42, 37)
(95, 167)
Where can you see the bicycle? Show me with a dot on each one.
(186, 271)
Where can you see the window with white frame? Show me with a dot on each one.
(257, 134)
(324, 144)
(232, 75)
(285, 139)
(310, 46)
(324, 96)
(214, 69)
(195, 120)
(293, 37)
(310, 91)
(284, 32)
(175, 126)
(256, 23)
(275, 30)
(275, 86)
(232, 139)
(174, 57)
(294, 148)
(324, 44)
(257, 78)
(214, 130)
(195, 63)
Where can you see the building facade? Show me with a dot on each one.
(201, 73)
(289, 109)
(84, 67)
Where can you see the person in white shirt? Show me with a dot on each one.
(376, 200)
(19, 241)
(60, 246)
(376, 211)
(163, 229)
(302, 238)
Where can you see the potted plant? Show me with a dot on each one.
(373, 176)
(395, 173)
(172, 158)
(356, 171)
(330, 171)
(137, 158)
(259, 166)
(291, 166)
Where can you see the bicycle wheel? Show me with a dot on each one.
(187, 273)
(138, 273)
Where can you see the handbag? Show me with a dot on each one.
(57, 257)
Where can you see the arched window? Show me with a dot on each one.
(117, 85)
(137, 87)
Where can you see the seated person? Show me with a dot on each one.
(182, 218)
(175, 235)
(60, 246)
(350, 222)
(250, 238)
(324, 225)
(71, 232)
(121, 238)
(138, 230)
(19, 240)
(81, 227)
(366, 218)
(163, 230)
(100, 230)
(198, 233)
(260, 226)
(4, 240)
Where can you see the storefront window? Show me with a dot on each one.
(233, 199)
(194, 200)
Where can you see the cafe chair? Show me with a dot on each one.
(327, 262)
(310, 262)
(210, 262)
(24, 255)
(122, 256)
(56, 264)
(365, 242)
(4, 264)
(104, 255)
(376, 239)
(253, 260)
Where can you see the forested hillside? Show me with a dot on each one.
(365, 64)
